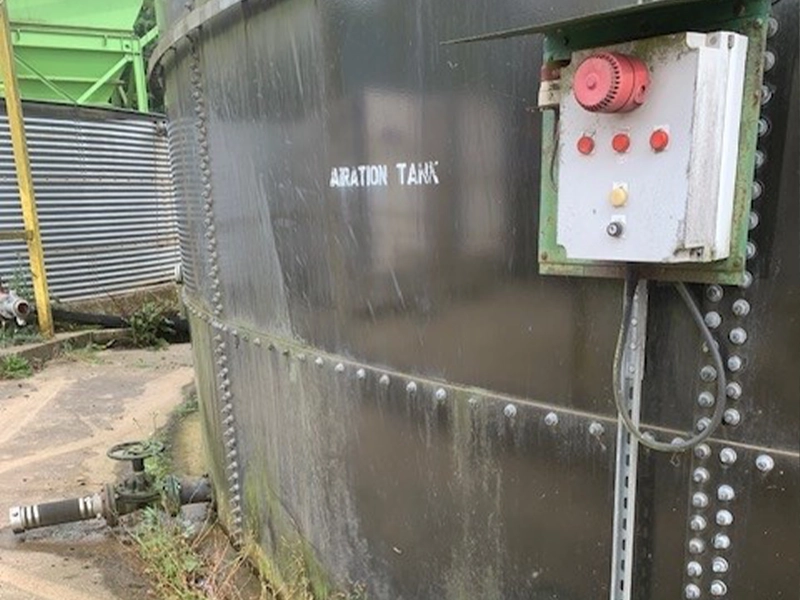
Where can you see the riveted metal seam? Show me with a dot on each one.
(734, 344)
(220, 350)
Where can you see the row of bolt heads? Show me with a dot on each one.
(728, 456)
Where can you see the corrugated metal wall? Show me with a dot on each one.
(105, 197)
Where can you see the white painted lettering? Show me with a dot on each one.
(407, 173)
(433, 164)
(401, 172)
(412, 175)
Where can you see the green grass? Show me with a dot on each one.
(149, 325)
(171, 561)
(90, 353)
(12, 336)
(14, 366)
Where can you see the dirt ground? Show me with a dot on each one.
(57, 426)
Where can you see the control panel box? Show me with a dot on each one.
(647, 149)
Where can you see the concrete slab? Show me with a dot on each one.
(56, 428)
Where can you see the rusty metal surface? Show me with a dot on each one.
(415, 494)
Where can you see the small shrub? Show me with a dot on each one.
(14, 366)
(16, 336)
(150, 326)
(20, 282)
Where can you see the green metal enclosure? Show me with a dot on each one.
(86, 54)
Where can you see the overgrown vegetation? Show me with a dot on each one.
(17, 336)
(185, 565)
(150, 326)
(88, 353)
(14, 366)
(185, 562)
(20, 282)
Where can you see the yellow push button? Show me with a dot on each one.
(618, 196)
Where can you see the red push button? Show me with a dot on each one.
(621, 142)
(585, 144)
(659, 140)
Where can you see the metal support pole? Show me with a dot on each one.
(24, 179)
(140, 83)
(625, 481)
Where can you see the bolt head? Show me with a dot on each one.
(319, 361)
(698, 523)
(721, 541)
(712, 319)
(765, 463)
(702, 451)
(714, 293)
(551, 419)
(703, 423)
(772, 26)
(737, 336)
(384, 380)
(718, 588)
(596, 429)
(696, 546)
(735, 363)
(440, 394)
(510, 411)
(361, 374)
(699, 500)
(731, 417)
(411, 387)
(733, 390)
(708, 374)
(691, 592)
(700, 475)
(725, 493)
(741, 307)
(339, 368)
(719, 565)
(724, 518)
(694, 569)
(727, 456)
(706, 399)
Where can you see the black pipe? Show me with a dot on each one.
(23, 518)
(177, 332)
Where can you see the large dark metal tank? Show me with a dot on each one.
(390, 391)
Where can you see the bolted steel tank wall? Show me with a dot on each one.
(392, 396)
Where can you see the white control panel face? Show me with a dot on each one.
(653, 180)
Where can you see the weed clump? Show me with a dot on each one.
(14, 366)
(150, 326)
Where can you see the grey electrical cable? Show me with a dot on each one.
(631, 283)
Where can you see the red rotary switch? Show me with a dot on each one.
(610, 82)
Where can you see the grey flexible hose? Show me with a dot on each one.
(619, 394)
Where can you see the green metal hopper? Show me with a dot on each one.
(79, 52)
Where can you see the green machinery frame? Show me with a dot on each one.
(80, 53)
